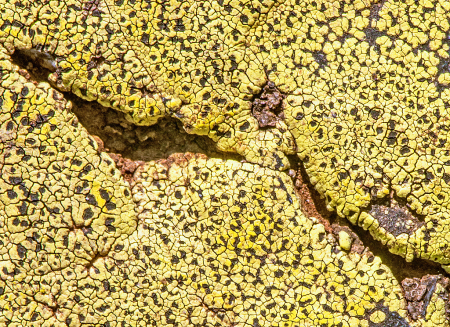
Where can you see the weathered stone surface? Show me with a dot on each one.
(357, 90)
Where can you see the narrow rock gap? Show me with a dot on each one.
(398, 265)
(314, 206)
(128, 144)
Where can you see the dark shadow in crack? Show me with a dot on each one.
(398, 265)
(311, 202)
(313, 205)
(143, 143)
(128, 144)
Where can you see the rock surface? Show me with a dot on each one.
(301, 125)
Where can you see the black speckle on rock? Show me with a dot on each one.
(395, 219)
(23, 208)
(91, 199)
(11, 194)
(15, 180)
(110, 206)
(104, 194)
(21, 251)
(88, 214)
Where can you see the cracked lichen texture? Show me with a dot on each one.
(194, 242)
(187, 59)
(230, 241)
(211, 242)
(366, 84)
(62, 205)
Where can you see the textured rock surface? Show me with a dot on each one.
(357, 90)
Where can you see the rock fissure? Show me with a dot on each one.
(129, 145)
(359, 89)
(313, 205)
(419, 291)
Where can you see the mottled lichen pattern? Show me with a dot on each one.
(368, 113)
(365, 86)
(371, 121)
(187, 59)
(204, 242)
(196, 241)
(62, 205)
(258, 262)
(357, 89)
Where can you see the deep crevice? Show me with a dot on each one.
(398, 265)
(418, 293)
(143, 143)
(313, 205)
(128, 144)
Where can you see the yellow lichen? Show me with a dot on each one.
(365, 109)
(62, 205)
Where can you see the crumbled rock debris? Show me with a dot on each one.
(313, 205)
(141, 143)
(419, 291)
(126, 166)
(268, 107)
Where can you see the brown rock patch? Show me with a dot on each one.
(418, 293)
(395, 217)
(268, 108)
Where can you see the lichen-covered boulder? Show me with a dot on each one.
(363, 90)
(357, 90)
